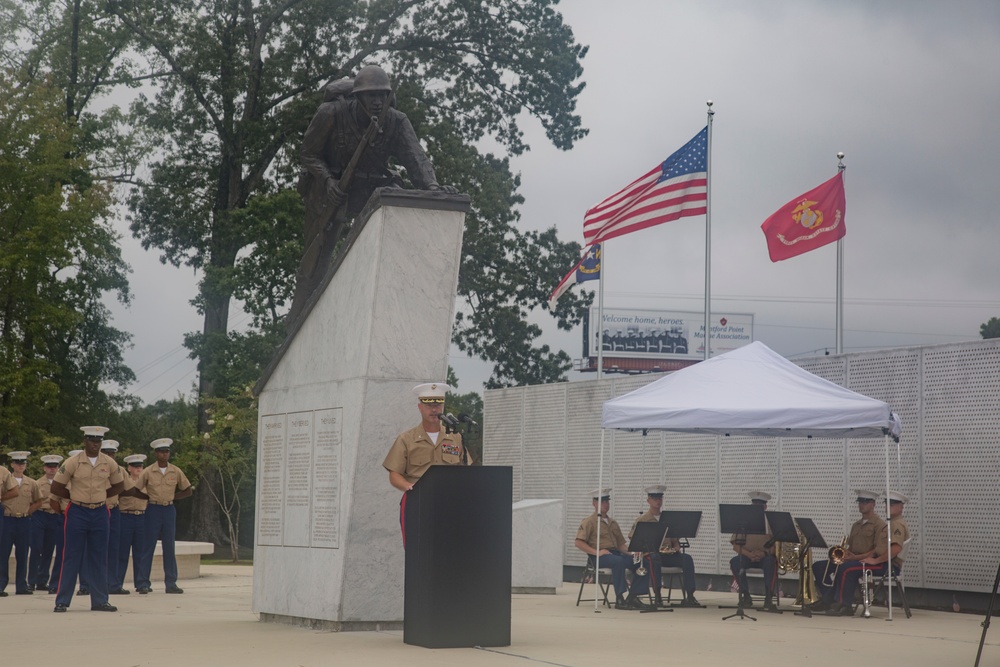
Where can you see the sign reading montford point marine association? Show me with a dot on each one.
(300, 463)
(666, 334)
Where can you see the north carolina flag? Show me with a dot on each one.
(675, 188)
(588, 268)
(807, 222)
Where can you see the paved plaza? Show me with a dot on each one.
(212, 624)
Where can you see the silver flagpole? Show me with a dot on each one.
(888, 520)
(840, 274)
(708, 234)
(600, 463)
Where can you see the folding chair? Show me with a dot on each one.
(667, 575)
(878, 593)
(604, 581)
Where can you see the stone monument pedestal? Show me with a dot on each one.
(329, 553)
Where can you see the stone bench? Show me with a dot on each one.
(188, 562)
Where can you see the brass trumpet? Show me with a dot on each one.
(638, 558)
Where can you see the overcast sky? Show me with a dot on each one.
(909, 91)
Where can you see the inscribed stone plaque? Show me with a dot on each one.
(326, 478)
(272, 476)
(298, 479)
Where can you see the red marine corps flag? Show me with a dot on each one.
(807, 222)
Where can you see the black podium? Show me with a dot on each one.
(458, 558)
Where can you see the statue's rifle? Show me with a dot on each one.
(310, 258)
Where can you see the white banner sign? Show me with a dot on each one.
(665, 334)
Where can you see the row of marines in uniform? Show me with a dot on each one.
(90, 516)
(865, 547)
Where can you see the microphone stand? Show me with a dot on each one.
(989, 612)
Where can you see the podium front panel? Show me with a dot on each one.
(458, 558)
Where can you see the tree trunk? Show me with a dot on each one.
(206, 524)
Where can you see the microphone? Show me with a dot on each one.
(462, 416)
(449, 420)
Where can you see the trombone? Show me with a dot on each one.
(835, 557)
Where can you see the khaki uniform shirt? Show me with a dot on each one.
(7, 481)
(161, 487)
(649, 517)
(863, 535)
(30, 494)
(900, 533)
(90, 483)
(45, 487)
(611, 534)
(130, 503)
(114, 501)
(414, 452)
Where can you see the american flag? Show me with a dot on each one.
(676, 188)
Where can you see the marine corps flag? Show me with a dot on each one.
(807, 222)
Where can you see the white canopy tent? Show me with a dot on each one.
(753, 391)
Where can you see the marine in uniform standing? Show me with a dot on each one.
(161, 484)
(110, 449)
(755, 552)
(46, 533)
(88, 480)
(424, 445)
(133, 512)
(61, 505)
(16, 533)
(835, 599)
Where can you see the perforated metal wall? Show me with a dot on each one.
(947, 396)
(961, 467)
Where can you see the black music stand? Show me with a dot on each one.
(646, 539)
(782, 530)
(742, 520)
(813, 539)
(682, 524)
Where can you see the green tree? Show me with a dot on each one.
(990, 328)
(59, 259)
(229, 448)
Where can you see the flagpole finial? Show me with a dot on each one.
(711, 111)
(840, 159)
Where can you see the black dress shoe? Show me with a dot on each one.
(24, 592)
(769, 605)
(842, 610)
(83, 591)
(633, 602)
(53, 591)
(620, 603)
(31, 587)
(143, 591)
(176, 590)
(104, 607)
(822, 605)
(690, 601)
(61, 608)
(119, 591)
(3, 594)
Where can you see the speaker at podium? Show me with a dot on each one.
(457, 585)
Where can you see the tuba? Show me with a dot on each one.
(796, 557)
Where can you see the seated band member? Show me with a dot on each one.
(897, 530)
(613, 552)
(656, 560)
(757, 552)
(835, 598)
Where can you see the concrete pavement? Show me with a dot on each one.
(211, 624)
